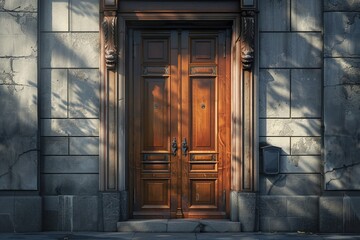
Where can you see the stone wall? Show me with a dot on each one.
(290, 112)
(340, 210)
(20, 205)
(69, 113)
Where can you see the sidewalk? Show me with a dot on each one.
(173, 236)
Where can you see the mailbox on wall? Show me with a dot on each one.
(270, 156)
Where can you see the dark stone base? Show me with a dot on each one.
(247, 211)
(20, 213)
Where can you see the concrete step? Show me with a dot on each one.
(179, 225)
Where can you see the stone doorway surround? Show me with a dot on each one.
(115, 17)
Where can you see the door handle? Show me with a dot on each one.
(174, 147)
(184, 147)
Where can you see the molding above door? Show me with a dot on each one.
(115, 17)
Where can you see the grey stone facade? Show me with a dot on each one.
(309, 97)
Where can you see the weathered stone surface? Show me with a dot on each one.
(281, 142)
(341, 71)
(54, 15)
(305, 145)
(247, 211)
(85, 213)
(274, 97)
(274, 15)
(84, 15)
(84, 145)
(234, 206)
(331, 214)
(306, 93)
(290, 127)
(341, 5)
(69, 127)
(154, 225)
(287, 224)
(306, 15)
(55, 145)
(27, 214)
(124, 205)
(290, 184)
(84, 99)
(18, 34)
(75, 50)
(300, 164)
(281, 50)
(111, 210)
(18, 5)
(50, 213)
(70, 164)
(351, 213)
(6, 223)
(272, 206)
(53, 93)
(70, 184)
(66, 213)
(303, 206)
(7, 214)
(341, 34)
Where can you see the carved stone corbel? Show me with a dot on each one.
(109, 30)
(247, 38)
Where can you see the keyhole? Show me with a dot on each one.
(202, 105)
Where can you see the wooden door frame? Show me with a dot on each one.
(113, 168)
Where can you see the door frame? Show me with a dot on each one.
(113, 162)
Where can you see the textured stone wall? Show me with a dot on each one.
(291, 112)
(342, 94)
(20, 205)
(69, 113)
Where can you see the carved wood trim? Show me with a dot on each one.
(109, 26)
(247, 38)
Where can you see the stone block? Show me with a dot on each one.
(281, 142)
(300, 164)
(306, 207)
(331, 214)
(341, 71)
(53, 93)
(84, 15)
(69, 127)
(306, 145)
(18, 163)
(272, 206)
(234, 206)
(219, 226)
(55, 145)
(28, 214)
(306, 93)
(247, 211)
(54, 15)
(6, 223)
(70, 164)
(66, 213)
(341, 110)
(111, 210)
(85, 213)
(282, 224)
(281, 50)
(84, 98)
(25, 72)
(50, 213)
(184, 226)
(274, 15)
(18, 34)
(341, 34)
(341, 5)
(70, 184)
(70, 50)
(290, 127)
(124, 205)
(306, 15)
(290, 184)
(155, 225)
(351, 213)
(274, 97)
(84, 145)
(19, 5)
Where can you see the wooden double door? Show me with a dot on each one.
(179, 136)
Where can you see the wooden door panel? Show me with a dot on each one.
(156, 119)
(203, 114)
(177, 95)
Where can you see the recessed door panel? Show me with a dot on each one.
(179, 130)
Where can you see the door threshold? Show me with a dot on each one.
(179, 225)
